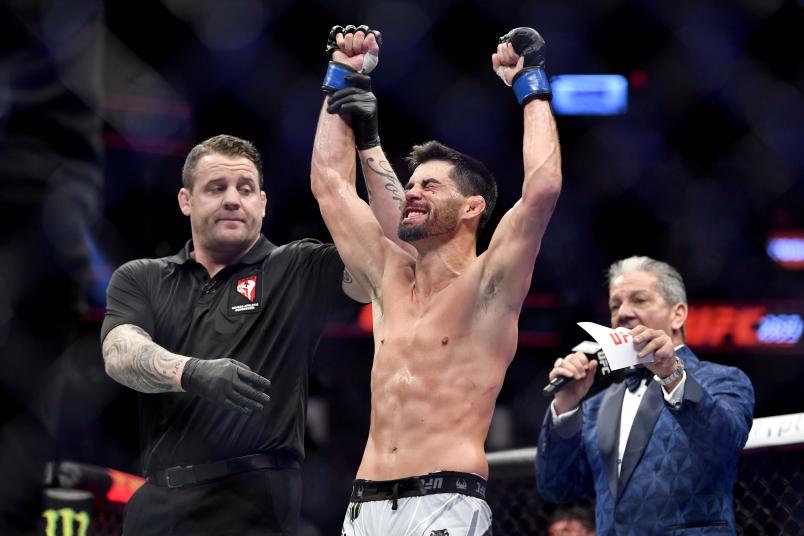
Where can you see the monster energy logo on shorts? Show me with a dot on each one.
(354, 510)
(68, 517)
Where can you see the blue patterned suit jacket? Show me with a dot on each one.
(679, 465)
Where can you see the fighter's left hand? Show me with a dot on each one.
(649, 340)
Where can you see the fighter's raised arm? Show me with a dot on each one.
(359, 49)
(508, 263)
(355, 229)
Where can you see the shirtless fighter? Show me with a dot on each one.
(445, 321)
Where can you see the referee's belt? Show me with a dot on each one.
(185, 475)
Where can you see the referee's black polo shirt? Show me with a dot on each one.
(268, 311)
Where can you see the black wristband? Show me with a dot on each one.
(363, 145)
(187, 373)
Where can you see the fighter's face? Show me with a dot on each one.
(634, 299)
(225, 204)
(432, 203)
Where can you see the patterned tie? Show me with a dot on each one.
(634, 377)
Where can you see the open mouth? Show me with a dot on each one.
(413, 214)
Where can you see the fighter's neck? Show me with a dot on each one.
(437, 267)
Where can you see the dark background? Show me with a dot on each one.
(706, 163)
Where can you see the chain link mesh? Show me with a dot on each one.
(768, 495)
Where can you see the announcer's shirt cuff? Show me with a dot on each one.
(675, 396)
(564, 417)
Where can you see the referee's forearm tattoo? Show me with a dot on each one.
(134, 360)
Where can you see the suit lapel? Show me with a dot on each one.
(608, 431)
(646, 417)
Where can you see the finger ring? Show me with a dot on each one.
(558, 362)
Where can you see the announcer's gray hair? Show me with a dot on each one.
(671, 286)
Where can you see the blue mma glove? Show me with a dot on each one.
(335, 77)
(531, 82)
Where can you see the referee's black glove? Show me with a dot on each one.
(358, 102)
(226, 381)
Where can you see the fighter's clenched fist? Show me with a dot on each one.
(358, 47)
(520, 61)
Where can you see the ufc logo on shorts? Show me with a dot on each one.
(432, 483)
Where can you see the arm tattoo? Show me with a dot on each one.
(134, 360)
(384, 169)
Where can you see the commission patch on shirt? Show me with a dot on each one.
(245, 294)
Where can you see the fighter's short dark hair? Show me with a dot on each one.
(469, 174)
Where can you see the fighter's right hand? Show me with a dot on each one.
(576, 366)
(226, 381)
(357, 47)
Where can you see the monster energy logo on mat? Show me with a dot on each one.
(354, 510)
(68, 517)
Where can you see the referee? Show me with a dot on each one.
(218, 338)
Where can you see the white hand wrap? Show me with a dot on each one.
(501, 73)
(370, 61)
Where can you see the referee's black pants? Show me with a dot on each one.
(263, 501)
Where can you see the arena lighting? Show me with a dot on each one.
(101, 271)
(748, 326)
(123, 486)
(780, 329)
(589, 94)
(114, 486)
(786, 248)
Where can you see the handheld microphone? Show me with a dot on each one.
(592, 351)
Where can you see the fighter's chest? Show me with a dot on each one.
(454, 305)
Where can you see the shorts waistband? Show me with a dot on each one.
(185, 475)
(417, 486)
